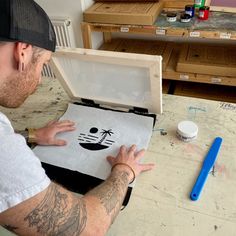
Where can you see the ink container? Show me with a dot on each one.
(171, 16)
(190, 10)
(187, 131)
(185, 18)
(203, 13)
(199, 3)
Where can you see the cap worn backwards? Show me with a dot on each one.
(25, 21)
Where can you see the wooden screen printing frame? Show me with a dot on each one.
(151, 62)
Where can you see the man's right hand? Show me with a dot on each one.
(129, 158)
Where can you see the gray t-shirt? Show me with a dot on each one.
(21, 173)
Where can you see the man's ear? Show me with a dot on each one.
(23, 54)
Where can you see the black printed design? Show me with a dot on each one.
(91, 141)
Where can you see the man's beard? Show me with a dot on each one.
(18, 87)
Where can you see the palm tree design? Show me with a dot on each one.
(104, 134)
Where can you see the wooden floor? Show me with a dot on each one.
(199, 90)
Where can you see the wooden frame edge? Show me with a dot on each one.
(152, 62)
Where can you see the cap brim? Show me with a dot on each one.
(2, 39)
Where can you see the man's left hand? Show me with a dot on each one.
(46, 135)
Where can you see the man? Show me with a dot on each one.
(30, 204)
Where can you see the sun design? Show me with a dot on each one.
(90, 142)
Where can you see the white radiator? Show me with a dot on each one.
(65, 38)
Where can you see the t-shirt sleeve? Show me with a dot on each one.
(21, 173)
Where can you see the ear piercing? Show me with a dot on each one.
(21, 67)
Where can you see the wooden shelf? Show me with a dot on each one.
(142, 47)
(170, 53)
(198, 90)
(171, 73)
(221, 26)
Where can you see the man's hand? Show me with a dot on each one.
(46, 135)
(129, 159)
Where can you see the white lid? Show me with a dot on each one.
(187, 129)
(110, 78)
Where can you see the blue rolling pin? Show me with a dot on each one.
(206, 167)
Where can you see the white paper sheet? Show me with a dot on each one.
(99, 133)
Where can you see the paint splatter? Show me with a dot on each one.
(222, 170)
(195, 109)
(193, 148)
(155, 187)
(213, 171)
(192, 111)
(163, 133)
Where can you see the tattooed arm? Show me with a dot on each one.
(57, 211)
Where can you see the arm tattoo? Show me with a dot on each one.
(112, 192)
(55, 216)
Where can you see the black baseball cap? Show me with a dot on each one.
(25, 21)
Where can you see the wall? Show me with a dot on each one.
(72, 9)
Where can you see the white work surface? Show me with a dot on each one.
(160, 203)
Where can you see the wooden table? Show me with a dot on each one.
(160, 203)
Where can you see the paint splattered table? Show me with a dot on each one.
(160, 203)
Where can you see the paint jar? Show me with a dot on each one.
(171, 16)
(203, 13)
(185, 18)
(187, 131)
(190, 10)
(199, 3)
